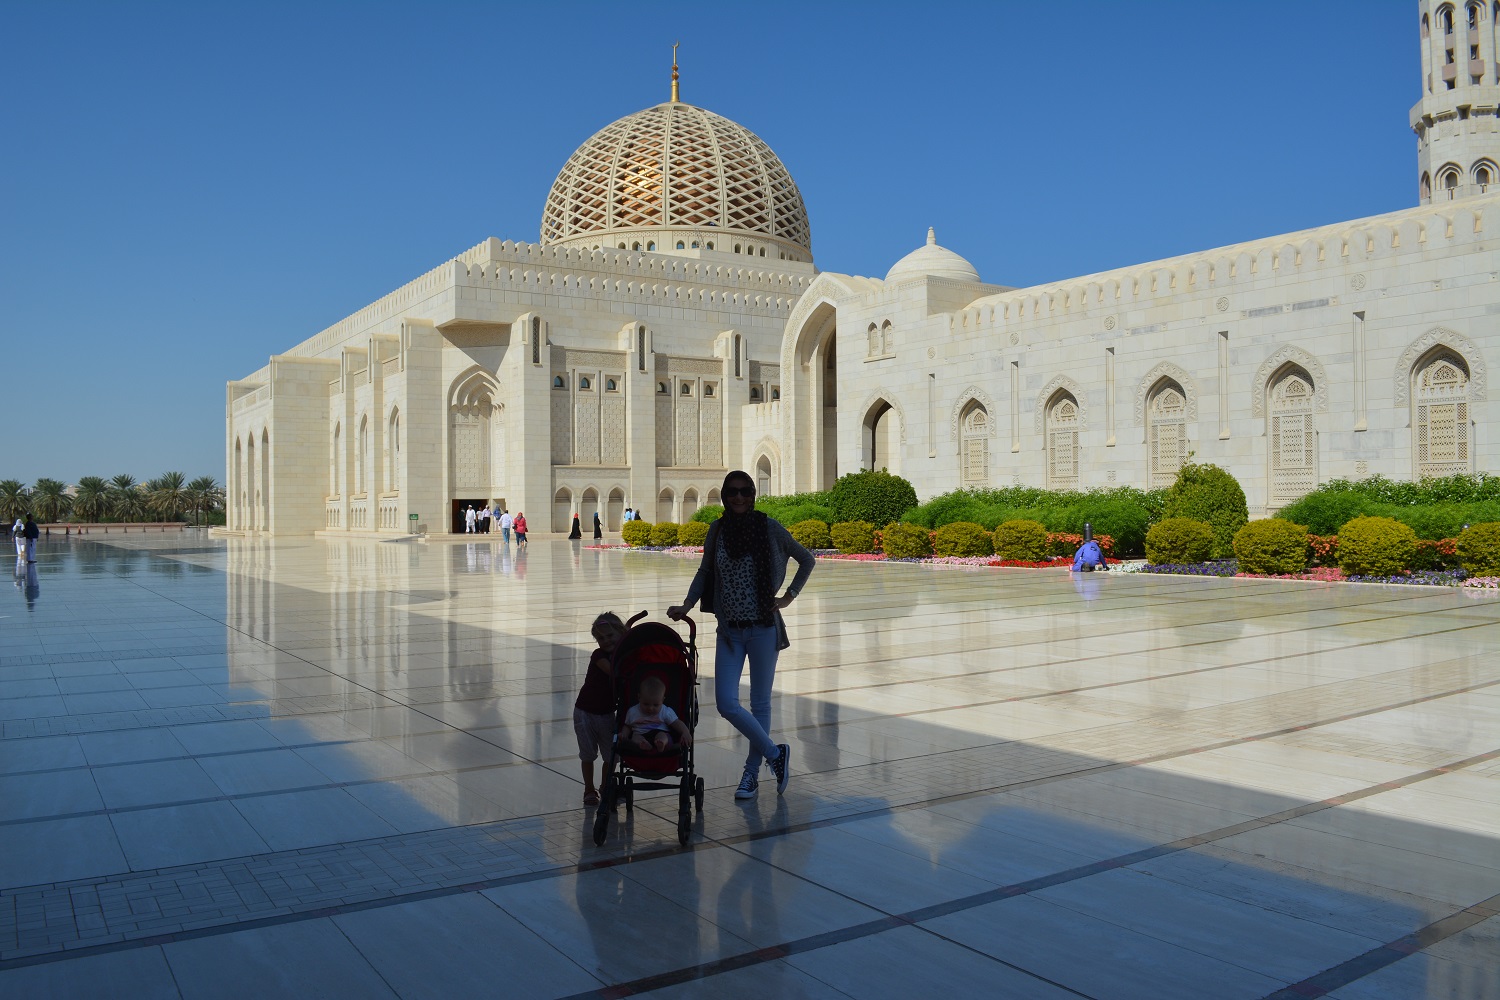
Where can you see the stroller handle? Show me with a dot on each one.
(692, 625)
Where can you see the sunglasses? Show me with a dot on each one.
(738, 491)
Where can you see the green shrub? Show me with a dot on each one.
(1376, 546)
(811, 534)
(1479, 549)
(636, 532)
(963, 538)
(1271, 546)
(796, 507)
(873, 495)
(900, 540)
(851, 537)
(1022, 540)
(1179, 540)
(1207, 493)
(709, 513)
(664, 533)
(692, 533)
(1123, 512)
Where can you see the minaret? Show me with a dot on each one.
(1457, 121)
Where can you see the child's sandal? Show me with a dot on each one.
(591, 798)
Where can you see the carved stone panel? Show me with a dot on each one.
(711, 433)
(1456, 342)
(686, 448)
(1165, 370)
(586, 429)
(1302, 359)
(612, 431)
(562, 429)
(665, 430)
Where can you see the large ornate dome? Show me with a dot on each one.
(677, 177)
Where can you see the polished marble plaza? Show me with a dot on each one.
(245, 768)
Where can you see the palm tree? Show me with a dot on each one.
(15, 499)
(50, 500)
(91, 498)
(125, 502)
(206, 495)
(167, 495)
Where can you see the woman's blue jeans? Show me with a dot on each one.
(758, 644)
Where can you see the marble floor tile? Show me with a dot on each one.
(289, 821)
(184, 834)
(140, 974)
(309, 959)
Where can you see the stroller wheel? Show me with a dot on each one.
(684, 825)
(698, 794)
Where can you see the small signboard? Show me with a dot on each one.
(411, 517)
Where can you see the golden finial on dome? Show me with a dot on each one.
(675, 98)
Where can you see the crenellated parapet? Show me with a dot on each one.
(1241, 266)
(649, 279)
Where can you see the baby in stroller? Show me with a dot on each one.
(650, 725)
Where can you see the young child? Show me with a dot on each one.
(649, 724)
(594, 711)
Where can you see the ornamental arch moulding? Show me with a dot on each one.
(973, 394)
(1143, 389)
(1290, 354)
(1439, 337)
(884, 395)
(1049, 390)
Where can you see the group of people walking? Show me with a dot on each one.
(577, 531)
(25, 535)
(478, 522)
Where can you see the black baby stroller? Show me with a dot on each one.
(653, 649)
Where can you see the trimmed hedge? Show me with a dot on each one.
(873, 495)
(852, 537)
(1434, 508)
(664, 533)
(1179, 541)
(811, 534)
(636, 533)
(1271, 546)
(1479, 549)
(708, 513)
(1207, 493)
(796, 507)
(900, 540)
(1376, 546)
(1123, 513)
(692, 533)
(1022, 539)
(962, 538)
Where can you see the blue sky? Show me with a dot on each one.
(191, 188)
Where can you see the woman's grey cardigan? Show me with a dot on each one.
(783, 547)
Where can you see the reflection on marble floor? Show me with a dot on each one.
(242, 767)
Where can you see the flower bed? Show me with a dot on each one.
(1318, 574)
(1483, 583)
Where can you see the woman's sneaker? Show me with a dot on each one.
(781, 766)
(748, 784)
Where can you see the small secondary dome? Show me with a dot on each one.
(932, 261)
(677, 177)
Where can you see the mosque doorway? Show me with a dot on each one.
(458, 525)
(881, 436)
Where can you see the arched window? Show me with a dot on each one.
(610, 385)
(651, 245)
(1062, 441)
(689, 504)
(393, 453)
(1167, 432)
(1291, 441)
(1426, 186)
(558, 382)
(361, 457)
(762, 251)
(562, 511)
(737, 248)
(335, 481)
(1445, 18)
(713, 499)
(1475, 14)
(874, 346)
(887, 343)
(763, 476)
(664, 505)
(1484, 175)
(710, 245)
(662, 389)
(584, 383)
(1448, 180)
(680, 246)
(622, 246)
(708, 388)
(686, 389)
(975, 453)
(636, 245)
(775, 393)
(1440, 398)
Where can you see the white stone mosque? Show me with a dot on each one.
(670, 324)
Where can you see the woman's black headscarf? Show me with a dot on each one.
(749, 534)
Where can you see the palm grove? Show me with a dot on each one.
(168, 497)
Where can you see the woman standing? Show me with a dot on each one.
(744, 564)
(598, 527)
(577, 531)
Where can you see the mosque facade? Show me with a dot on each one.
(670, 324)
